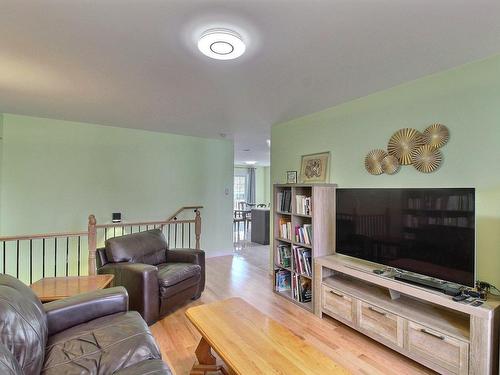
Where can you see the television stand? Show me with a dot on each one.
(443, 287)
(423, 324)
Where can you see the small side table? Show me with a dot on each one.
(55, 288)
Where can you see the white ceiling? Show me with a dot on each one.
(134, 63)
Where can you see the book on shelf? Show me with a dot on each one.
(303, 234)
(301, 288)
(283, 256)
(302, 260)
(285, 229)
(303, 204)
(284, 200)
(283, 280)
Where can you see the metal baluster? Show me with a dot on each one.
(17, 254)
(78, 255)
(114, 231)
(4, 257)
(31, 261)
(55, 256)
(189, 235)
(182, 235)
(105, 234)
(147, 227)
(168, 236)
(43, 257)
(67, 255)
(175, 235)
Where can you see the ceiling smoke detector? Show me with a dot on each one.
(221, 44)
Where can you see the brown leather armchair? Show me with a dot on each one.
(92, 333)
(157, 278)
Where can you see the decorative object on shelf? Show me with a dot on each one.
(403, 144)
(409, 146)
(314, 167)
(427, 159)
(116, 217)
(291, 177)
(390, 164)
(373, 161)
(436, 135)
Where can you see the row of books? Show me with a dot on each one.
(284, 200)
(413, 221)
(283, 256)
(303, 204)
(302, 260)
(463, 202)
(283, 280)
(285, 229)
(301, 288)
(303, 234)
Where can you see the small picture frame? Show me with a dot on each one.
(291, 177)
(314, 167)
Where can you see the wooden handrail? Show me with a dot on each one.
(41, 235)
(92, 238)
(183, 209)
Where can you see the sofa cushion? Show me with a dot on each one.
(101, 346)
(170, 274)
(23, 325)
(151, 367)
(8, 364)
(149, 247)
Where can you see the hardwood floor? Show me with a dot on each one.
(245, 275)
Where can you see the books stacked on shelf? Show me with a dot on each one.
(285, 229)
(303, 234)
(284, 200)
(302, 260)
(283, 255)
(301, 288)
(283, 280)
(303, 204)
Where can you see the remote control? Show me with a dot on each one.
(459, 298)
(477, 303)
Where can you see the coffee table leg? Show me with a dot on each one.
(206, 360)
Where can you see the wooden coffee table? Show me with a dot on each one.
(250, 342)
(54, 288)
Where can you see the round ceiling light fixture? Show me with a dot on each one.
(221, 44)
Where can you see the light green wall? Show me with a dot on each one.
(56, 173)
(466, 99)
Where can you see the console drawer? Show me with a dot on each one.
(445, 351)
(338, 303)
(380, 322)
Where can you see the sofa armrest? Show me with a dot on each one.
(189, 256)
(71, 311)
(141, 282)
(186, 256)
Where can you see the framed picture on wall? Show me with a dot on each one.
(314, 167)
(291, 177)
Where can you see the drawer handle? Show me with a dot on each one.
(376, 311)
(423, 330)
(337, 294)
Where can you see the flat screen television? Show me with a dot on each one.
(425, 231)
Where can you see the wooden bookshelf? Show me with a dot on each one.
(321, 218)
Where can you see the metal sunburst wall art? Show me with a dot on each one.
(410, 147)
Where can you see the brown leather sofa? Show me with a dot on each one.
(157, 278)
(92, 333)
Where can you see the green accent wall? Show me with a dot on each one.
(55, 173)
(466, 99)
